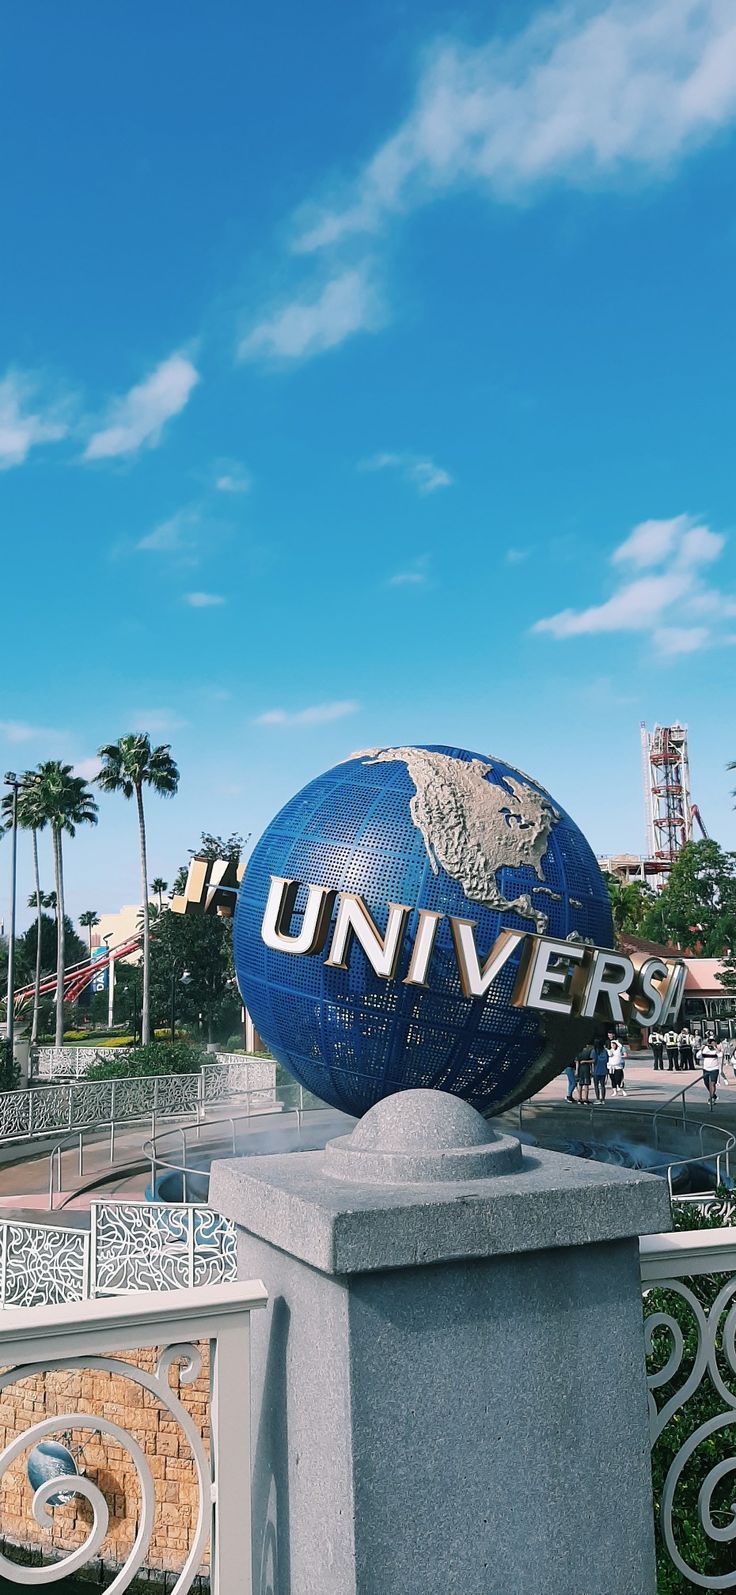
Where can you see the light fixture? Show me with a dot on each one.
(49, 1460)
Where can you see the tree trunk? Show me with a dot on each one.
(59, 884)
(146, 1002)
(37, 978)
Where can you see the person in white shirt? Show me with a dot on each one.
(616, 1066)
(709, 1058)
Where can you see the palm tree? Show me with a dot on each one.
(88, 920)
(30, 817)
(127, 766)
(159, 886)
(65, 801)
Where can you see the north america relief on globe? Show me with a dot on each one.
(471, 828)
(455, 837)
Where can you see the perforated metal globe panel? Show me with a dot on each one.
(353, 1038)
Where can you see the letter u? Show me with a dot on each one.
(278, 913)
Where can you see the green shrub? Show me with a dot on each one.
(157, 1057)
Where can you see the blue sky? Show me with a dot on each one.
(366, 377)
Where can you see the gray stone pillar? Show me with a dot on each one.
(449, 1381)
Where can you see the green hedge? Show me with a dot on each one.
(157, 1057)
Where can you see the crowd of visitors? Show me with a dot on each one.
(603, 1063)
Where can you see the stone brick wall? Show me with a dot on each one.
(141, 1414)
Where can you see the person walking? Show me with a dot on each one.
(656, 1042)
(583, 1069)
(571, 1083)
(685, 1042)
(710, 1064)
(616, 1066)
(599, 1055)
(673, 1050)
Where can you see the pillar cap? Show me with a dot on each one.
(421, 1137)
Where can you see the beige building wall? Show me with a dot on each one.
(120, 926)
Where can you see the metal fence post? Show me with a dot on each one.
(230, 1446)
(81, 1153)
(112, 1123)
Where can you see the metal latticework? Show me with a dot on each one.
(667, 793)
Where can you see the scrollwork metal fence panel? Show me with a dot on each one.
(74, 1061)
(235, 1075)
(65, 1340)
(689, 1282)
(90, 1103)
(15, 1114)
(178, 1093)
(145, 1246)
(42, 1264)
(49, 1109)
(130, 1246)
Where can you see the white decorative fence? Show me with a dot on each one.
(130, 1246)
(74, 1062)
(86, 1104)
(237, 1074)
(62, 1339)
(689, 1283)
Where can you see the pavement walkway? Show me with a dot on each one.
(24, 1168)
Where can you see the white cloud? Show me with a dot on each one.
(23, 427)
(203, 600)
(516, 556)
(173, 535)
(139, 416)
(156, 720)
(348, 303)
(651, 542)
(88, 768)
(424, 475)
(316, 714)
(21, 731)
(674, 553)
(415, 575)
(680, 639)
(232, 477)
(578, 96)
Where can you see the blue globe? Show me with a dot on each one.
(434, 828)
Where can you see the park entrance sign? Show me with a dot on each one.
(427, 916)
(562, 977)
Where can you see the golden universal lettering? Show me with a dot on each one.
(569, 978)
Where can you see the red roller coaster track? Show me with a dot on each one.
(78, 975)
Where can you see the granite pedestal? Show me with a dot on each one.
(449, 1382)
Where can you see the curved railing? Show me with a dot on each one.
(721, 1156)
(302, 1103)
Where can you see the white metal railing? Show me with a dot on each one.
(724, 1141)
(293, 1100)
(129, 1246)
(87, 1104)
(76, 1061)
(59, 1338)
(690, 1324)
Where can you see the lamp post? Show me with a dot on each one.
(184, 980)
(110, 981)
(11, 780)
